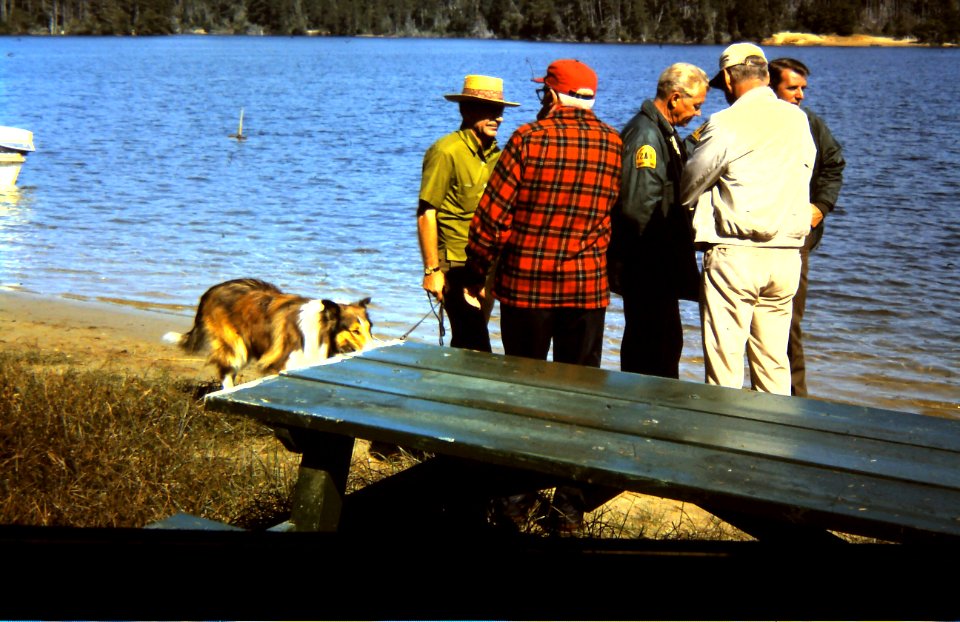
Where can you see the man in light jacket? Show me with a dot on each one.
(748, 186)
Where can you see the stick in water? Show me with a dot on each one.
(239, 135)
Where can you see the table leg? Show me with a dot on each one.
(322, 480)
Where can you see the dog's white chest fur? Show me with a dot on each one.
(315, 349)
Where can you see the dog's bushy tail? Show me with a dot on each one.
(192, 341)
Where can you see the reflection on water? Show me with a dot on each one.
(14, 220)
(9, 197)
(144, 199)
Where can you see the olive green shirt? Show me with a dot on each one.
(455, 172)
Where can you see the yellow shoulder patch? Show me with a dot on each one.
(646, 157)
(697, 132)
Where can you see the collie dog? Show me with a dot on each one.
(249, 319)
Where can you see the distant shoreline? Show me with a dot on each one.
(785, 39)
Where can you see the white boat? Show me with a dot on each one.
(15, 144)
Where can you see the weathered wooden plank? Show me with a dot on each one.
(894, 426)
(865, 504)
(650, 420)
(182, 520)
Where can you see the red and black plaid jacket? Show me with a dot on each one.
(545, 214)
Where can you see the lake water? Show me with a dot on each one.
(137, 195)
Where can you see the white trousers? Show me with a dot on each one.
(747, 304)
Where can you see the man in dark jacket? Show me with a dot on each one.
(788, 79)
(652, 262)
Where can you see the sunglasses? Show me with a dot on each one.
(487, 110)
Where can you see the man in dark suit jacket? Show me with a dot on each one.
(788, 79)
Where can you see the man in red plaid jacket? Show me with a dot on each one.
(544, 220)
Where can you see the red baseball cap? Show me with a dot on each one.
(571, 77)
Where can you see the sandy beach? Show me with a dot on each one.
(801, 39)
(96, 334)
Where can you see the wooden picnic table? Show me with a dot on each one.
(779, 468)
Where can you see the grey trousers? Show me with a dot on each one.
(798, 366)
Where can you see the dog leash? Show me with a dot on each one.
(433, 311)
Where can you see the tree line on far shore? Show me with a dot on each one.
(642, 21)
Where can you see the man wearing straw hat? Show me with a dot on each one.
(455, 172)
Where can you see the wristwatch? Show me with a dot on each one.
(429, 271)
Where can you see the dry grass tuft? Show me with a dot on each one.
(103, 448)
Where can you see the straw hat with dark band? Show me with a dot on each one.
(482, 89)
